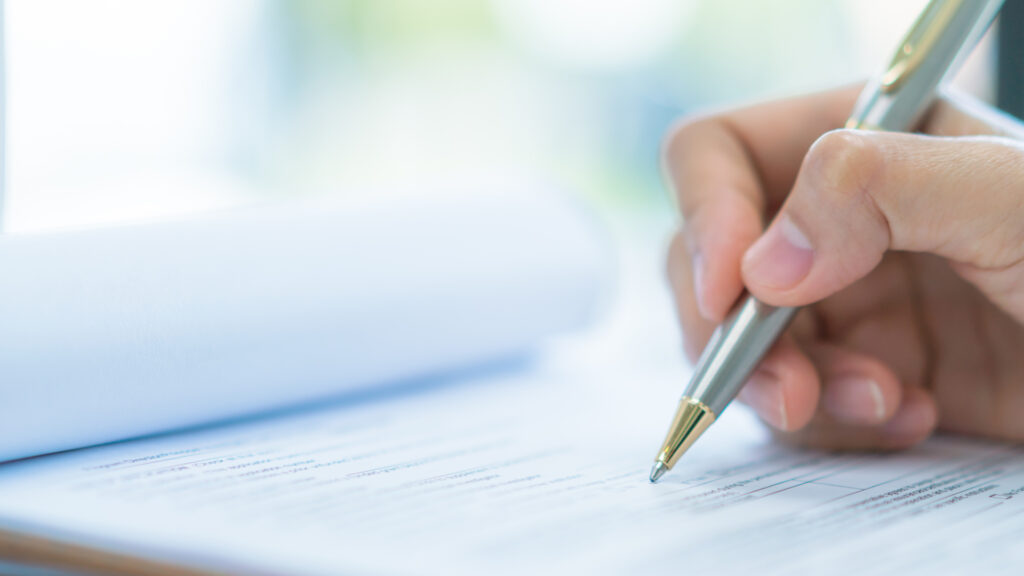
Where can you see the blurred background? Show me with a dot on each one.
(122, 110)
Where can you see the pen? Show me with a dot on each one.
(936, 44)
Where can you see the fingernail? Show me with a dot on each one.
(855, 400)
(698, 285)
(763, 393)
(914, 417)
(781, 257)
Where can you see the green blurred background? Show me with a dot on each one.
(122, 110)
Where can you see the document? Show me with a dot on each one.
(538, 467)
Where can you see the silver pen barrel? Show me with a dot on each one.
(935, 47)
(734, 351)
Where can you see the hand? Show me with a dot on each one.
(909, 250)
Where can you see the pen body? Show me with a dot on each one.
(735, 349)
(932, 50)
(895, 101)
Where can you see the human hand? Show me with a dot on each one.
(908, 248)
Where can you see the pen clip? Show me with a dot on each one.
(921, 38)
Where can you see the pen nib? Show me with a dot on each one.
(658, 471)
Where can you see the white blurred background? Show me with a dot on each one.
(123, 110)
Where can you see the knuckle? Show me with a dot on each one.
(682, 135)
(845, 163)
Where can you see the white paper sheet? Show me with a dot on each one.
(113, 333)
(539, 469)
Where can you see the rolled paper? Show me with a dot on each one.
(113, 333)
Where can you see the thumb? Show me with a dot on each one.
(859, 194)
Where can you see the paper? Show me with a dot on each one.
(530, 469)
(114, 333)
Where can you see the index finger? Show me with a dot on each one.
(728, 170)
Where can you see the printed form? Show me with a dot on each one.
(523, 470)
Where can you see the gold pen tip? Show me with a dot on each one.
(658, 471)
(692, 419)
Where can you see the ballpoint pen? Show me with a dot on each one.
(937, 43)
